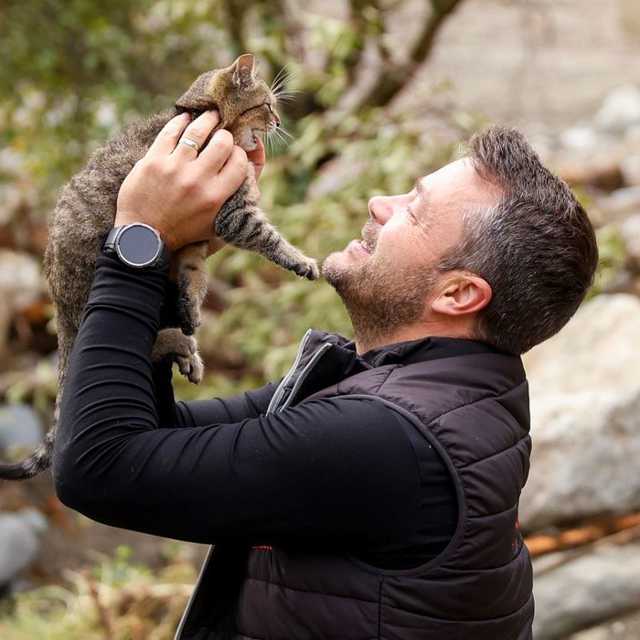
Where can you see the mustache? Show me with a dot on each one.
(370, 234)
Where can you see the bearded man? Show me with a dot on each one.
(373, 491)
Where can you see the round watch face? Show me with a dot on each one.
(138, 245)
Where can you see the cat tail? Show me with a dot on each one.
(37, 462)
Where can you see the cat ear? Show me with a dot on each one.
(198, 95)
(244, 70)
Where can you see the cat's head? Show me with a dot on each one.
(246, 104)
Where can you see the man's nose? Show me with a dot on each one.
(380, 209)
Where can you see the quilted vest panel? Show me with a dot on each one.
(474, 410)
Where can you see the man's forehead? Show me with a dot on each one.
(457, 177)
(458, 169)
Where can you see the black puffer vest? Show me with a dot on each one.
(473, 409)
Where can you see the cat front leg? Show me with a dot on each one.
(283, 253)
(242, 223)
(182, 349)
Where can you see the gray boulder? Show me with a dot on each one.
(20, 534)
(20, 427)
(630, 232)
(620, 109)
(630, 167)
(621, 203)
(585, 416)
(625, 628)
(586, 591)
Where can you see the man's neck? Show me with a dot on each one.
(449, 329)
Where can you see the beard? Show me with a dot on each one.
(379, 297)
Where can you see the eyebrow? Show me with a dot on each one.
(422, 193)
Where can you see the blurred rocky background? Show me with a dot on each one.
(381, 91)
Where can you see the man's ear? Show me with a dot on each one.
(198, 97)
(244, 70)
(461, 294)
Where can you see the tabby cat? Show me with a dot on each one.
(86, 211)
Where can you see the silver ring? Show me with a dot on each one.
(190, 143)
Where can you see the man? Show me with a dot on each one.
(372, 493)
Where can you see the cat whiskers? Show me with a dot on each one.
(280, 80)
(277, 76)
(286, 95)
(278, 134)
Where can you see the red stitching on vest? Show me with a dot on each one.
(262, 547)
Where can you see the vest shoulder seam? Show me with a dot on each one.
(391, 370)
(496, 453)
(476, 401)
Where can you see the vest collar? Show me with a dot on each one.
(325, 358)
(408, 352)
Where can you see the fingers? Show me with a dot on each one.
(233, 174)
(167, 139)
(217, 152)
(198, 131)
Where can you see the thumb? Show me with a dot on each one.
(257, 157)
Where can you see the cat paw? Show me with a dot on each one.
(182, 349)
(308, 269)
(191, 367)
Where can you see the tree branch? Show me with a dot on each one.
(359, 26)
(234, 11)
(392, 78)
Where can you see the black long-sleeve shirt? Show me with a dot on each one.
(337, 473)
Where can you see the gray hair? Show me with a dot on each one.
(536, 248)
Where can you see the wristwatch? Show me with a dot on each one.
(138, 245)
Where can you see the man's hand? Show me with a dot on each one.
(179, 191)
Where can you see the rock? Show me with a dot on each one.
(580, 138)
(602, 172)
(585, 416)
(626, 628)
(19, 541)
(586, 591)
(620, 203)
(620, 110)
(20, 427)
(630, 232)
(630, 168)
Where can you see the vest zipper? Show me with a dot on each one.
(279, 392)
(303, 374)
(187, 610)
(275, 399)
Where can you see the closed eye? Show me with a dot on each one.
(413, 215)
(258, 106)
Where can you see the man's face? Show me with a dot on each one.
(387, 278)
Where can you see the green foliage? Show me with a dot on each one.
(95, 66)
(116, 599)
(613, 255)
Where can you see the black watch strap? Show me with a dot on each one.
(137, 245)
